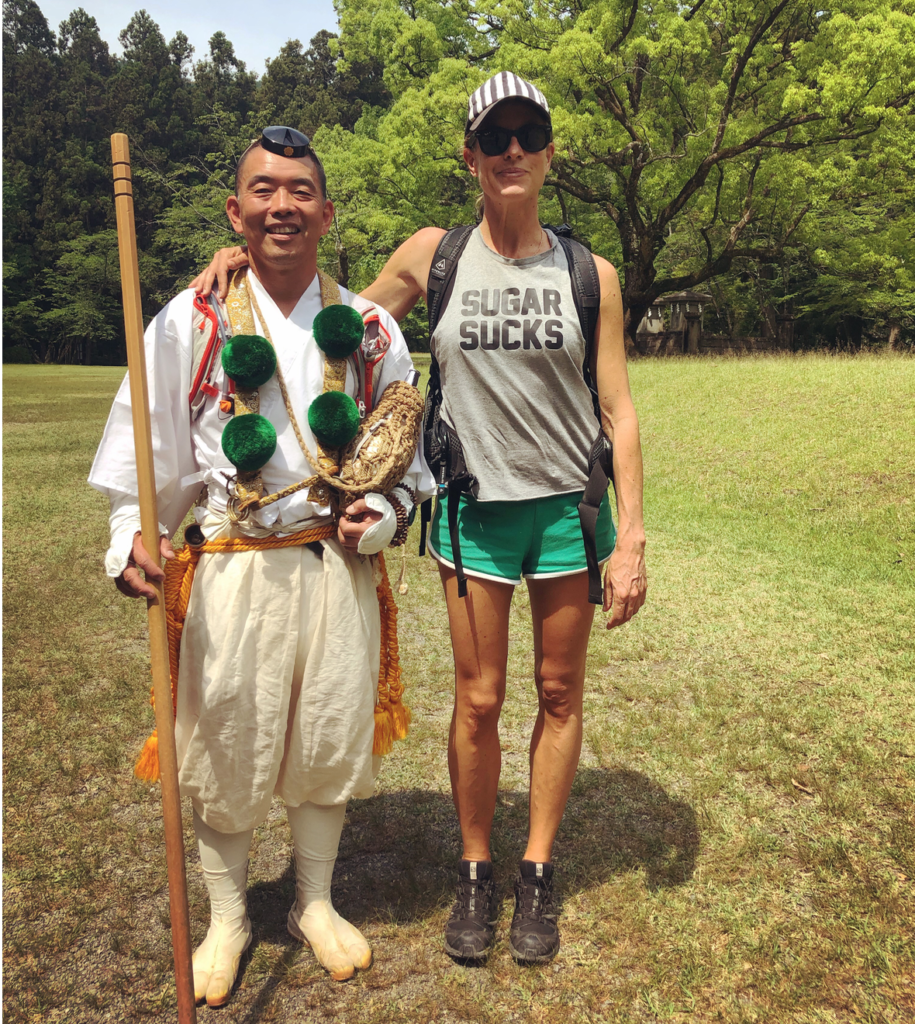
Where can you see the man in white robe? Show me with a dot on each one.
(280, 648)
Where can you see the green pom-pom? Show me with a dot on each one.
(334, 419)
(338, 331)
(249, 441)
(249, 360)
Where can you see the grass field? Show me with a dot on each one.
(740, 841)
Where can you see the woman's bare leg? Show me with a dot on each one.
(479, 640)
(562, 624)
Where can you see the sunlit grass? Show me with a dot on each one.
(739, 842)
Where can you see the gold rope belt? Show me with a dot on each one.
(392, 717)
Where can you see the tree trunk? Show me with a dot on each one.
(343, 261)
(637, 300)
(629, 329)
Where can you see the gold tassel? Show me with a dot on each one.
(147, 767)
(400, 715)
(392, 718)
(383, 743)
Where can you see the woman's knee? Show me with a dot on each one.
(560, 697)
(478, 707)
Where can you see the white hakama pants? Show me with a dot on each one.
(277, 683)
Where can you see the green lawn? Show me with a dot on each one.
(740, 842)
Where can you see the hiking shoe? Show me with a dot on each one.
(470, 931)
(534, 936)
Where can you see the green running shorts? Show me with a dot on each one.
(508, 540)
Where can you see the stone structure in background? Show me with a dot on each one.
(684, 305)
(684, 333)
(653, 321)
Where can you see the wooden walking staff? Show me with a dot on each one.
(149, 526)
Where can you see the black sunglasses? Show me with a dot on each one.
(532, 138)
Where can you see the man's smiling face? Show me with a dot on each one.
(280, 209)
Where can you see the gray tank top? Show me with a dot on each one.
(510, 352)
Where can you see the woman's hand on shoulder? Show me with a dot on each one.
(223, 262)
(402, 281)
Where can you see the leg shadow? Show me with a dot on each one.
(620, 820)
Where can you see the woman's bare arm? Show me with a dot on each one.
(402, 281)
(625, 579)
(399, 286)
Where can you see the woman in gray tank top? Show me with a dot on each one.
(510, 350)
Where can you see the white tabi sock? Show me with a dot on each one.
(224, 859)
(339, 947)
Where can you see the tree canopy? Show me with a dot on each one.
(759, 150)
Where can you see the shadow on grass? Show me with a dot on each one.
(399, 852)
(619, 820)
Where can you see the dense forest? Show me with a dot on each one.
(759, 151)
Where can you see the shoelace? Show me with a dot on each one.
(535, 898)
(468, 894)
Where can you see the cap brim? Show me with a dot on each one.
(473, 125)
(481, 117)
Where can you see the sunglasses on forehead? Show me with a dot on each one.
(532, 138)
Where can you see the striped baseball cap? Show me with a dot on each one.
(504, 86)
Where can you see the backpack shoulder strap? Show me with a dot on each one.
(438, 291)
(375, 344)
(586, 293)
(585, 289)
(208, 337)
(441, 273)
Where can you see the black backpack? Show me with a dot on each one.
(442, 447)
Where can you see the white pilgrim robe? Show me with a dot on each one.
(280, 649)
